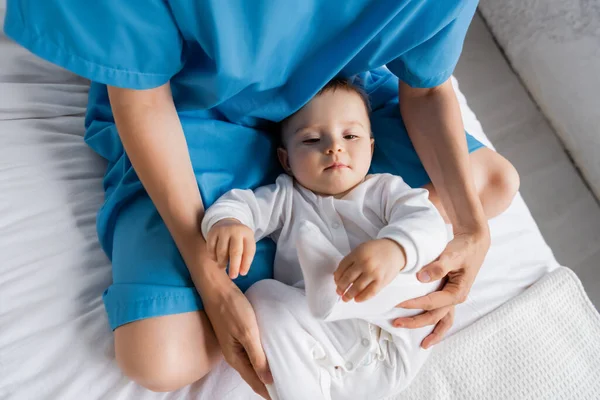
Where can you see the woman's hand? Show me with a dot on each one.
(234, 322)
(434, 124)
(459, 263)
(231, 241)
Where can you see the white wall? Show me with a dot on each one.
(554, 46)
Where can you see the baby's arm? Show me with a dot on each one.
(240, 218)
(412, 221)
(414, 235)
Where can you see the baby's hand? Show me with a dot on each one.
(230, 240)
(369, 268)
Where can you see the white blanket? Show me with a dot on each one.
(544, 344)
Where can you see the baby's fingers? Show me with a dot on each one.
(343, 266)
(348, 278)
(369, 292)
(248, 256)
(236, 250)
(222, 250)
(358, 286)
(211, 245)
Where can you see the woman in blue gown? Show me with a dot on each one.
(182, 97)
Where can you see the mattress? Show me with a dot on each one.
(55, 342)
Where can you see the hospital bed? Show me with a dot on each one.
(535, 335)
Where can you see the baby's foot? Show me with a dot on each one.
(318, 259)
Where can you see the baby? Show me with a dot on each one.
(349, 245)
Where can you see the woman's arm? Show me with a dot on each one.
(153, 139)
(434, 124)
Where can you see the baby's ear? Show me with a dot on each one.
(282, 154)
(372, 145)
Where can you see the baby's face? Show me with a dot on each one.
(328, 144)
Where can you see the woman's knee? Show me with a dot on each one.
(164, 354)
(503, 179)
(495, 175)
(496, 181)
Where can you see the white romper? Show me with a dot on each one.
(317, 346)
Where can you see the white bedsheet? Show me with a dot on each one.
(55, 342)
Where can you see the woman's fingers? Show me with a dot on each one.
(454, 291)
(236, 250)
(245, 368)
(236, 328)
(248, 256)
(460, 262)
(451, 294)
(259, 367)
(440, 330)
(448, 261)
(425, 319)
(431, 272)
(258, 358)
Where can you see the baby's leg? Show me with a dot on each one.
(403, 355)
(384, 377)
(319, 259)
(312, 359)
(496, 180)
(302, 355)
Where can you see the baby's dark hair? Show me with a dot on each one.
(345, 84)
(331, 86)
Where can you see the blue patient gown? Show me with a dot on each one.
(235, 67)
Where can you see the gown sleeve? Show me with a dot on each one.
(133, 44)
(432, 62)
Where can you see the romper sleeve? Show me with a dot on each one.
(132, 44)
(264, 210)
(432, 62)
(412, 221)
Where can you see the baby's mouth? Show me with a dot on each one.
(336, 165)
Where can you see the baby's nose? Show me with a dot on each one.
(335, 147)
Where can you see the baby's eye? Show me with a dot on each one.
(310, 141)
(350, 136)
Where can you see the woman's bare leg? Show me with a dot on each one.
(496, 180)
(166, 353)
